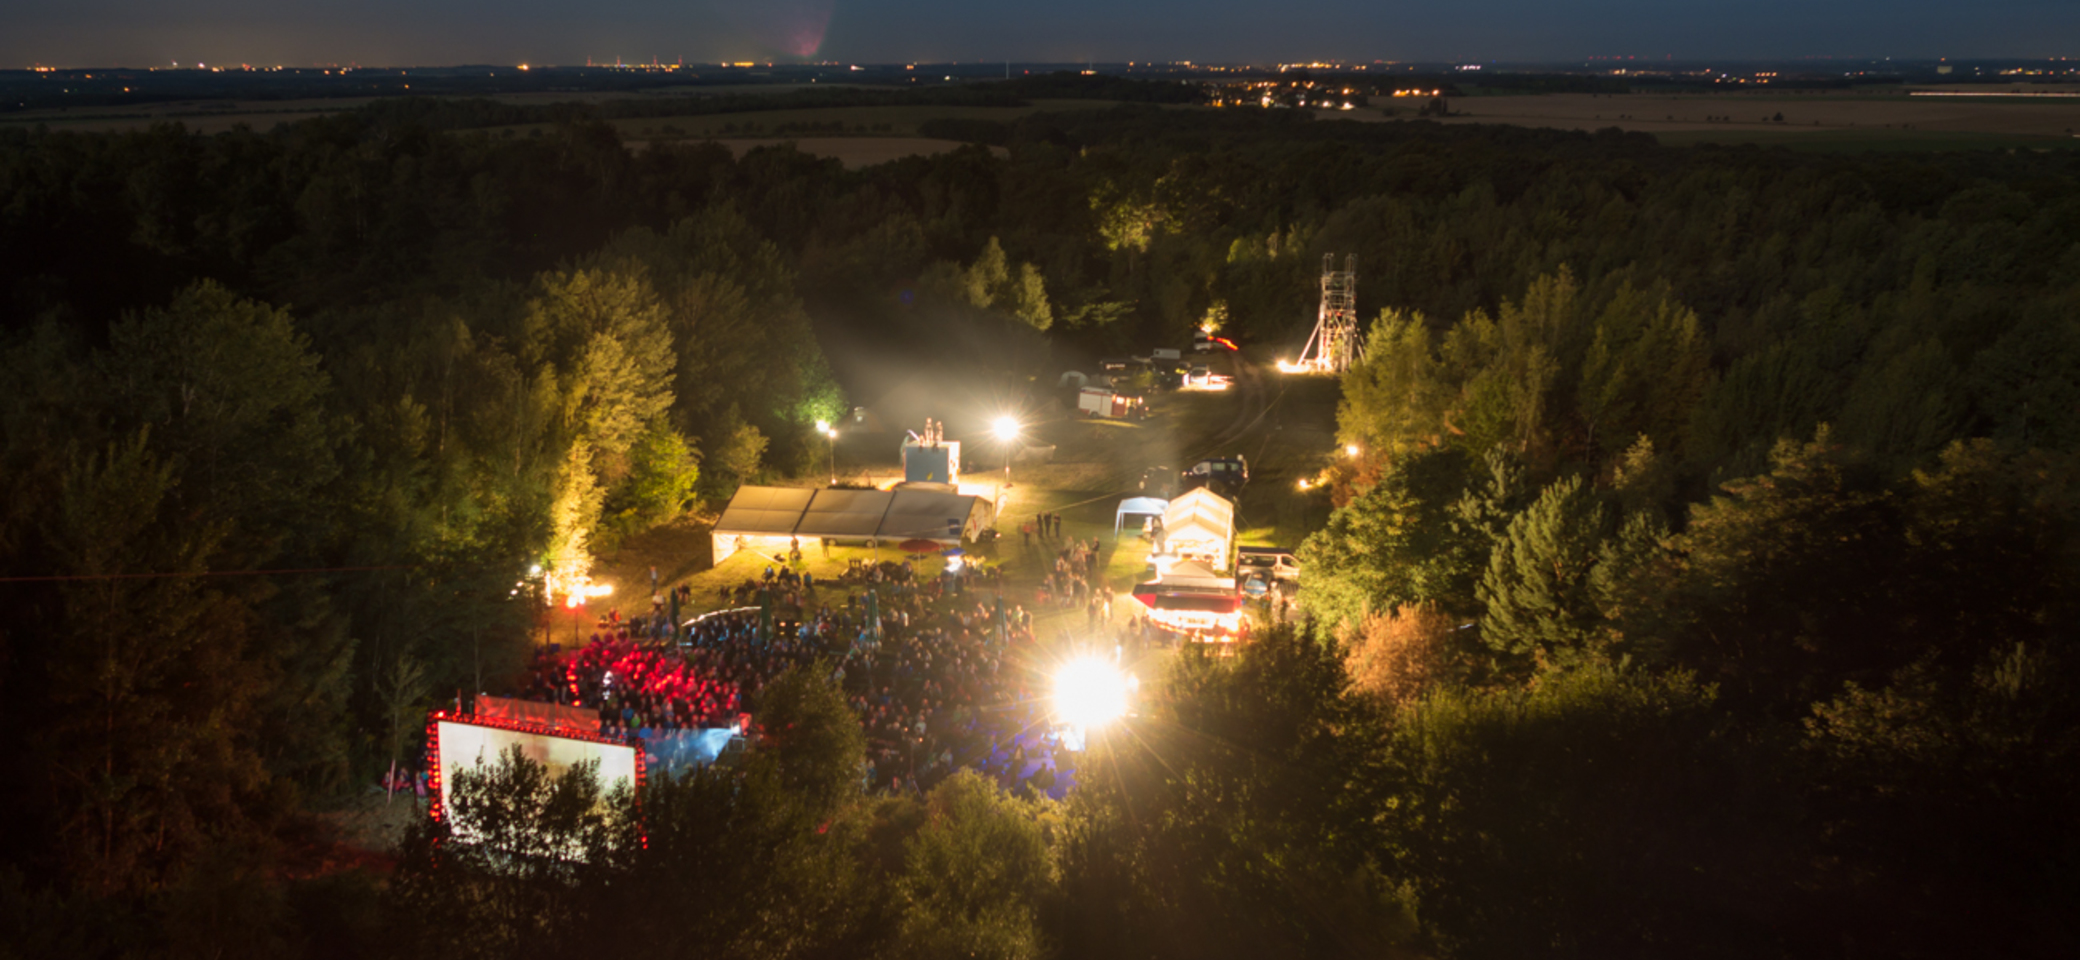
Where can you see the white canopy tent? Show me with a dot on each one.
(1200, 525)
(1136, 507)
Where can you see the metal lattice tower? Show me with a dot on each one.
(1333, 346)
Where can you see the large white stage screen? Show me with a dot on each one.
(459, 744)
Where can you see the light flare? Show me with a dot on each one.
(1089, 692)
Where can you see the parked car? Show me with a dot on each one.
(1223, 475)
(1275, 562)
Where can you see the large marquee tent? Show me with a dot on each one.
(770, 519)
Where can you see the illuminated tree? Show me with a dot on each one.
(1400, 655)
(573, 515)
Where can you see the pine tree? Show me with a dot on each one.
(1539, 605)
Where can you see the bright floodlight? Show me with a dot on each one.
(1088, 692)
(1006, 428)
(823, 426)
(1352, 449)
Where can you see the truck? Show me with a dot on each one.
(1107, 404)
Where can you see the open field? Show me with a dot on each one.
(216, 116)
(853, 152)
(1892, 120)
(888, 121)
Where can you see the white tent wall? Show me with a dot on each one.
(727, 545)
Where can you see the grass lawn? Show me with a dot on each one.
(1867, 139)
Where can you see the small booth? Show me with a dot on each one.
(929, 457)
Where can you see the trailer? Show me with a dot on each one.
(1105, 403)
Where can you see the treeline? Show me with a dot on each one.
(1068, 85)
(442, 114)
(1823, 709)
(1537, 83)
(1799, 584)
(1597, 514)
(291, 452)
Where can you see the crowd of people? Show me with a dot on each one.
(938, 668)
(638, 688)
(934, 667)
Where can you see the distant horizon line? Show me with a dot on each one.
(660, 63)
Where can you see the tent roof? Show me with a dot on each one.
(1199, 511)
(845, 513)
(1202, 502)
(1192, 573)
(767, 511)
(1196, 536)
(1142, 505)
(927, 515)
(901, 514)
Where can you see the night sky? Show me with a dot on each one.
(439, 32)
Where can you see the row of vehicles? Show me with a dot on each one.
(1224, 475)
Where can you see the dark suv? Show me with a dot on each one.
(1223, 475)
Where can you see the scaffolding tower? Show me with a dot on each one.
(1333, 346)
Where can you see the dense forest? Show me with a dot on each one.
(1704, 583)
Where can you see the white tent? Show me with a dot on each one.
(1200, 525)
(1136, 507)
(771, 519)
(845, 514)
(759, 517)
(931, 515)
